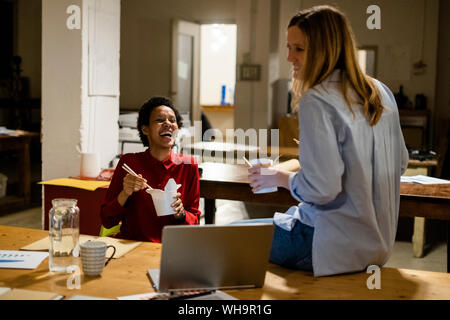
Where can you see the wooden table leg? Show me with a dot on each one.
(418, 238)
(210, 211)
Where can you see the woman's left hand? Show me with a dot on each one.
(177, 206)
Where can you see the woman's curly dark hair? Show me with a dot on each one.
(146, 111)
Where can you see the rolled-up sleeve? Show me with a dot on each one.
(111, 211)
(192, 197)
(319, 180)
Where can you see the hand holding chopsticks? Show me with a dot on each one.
(130, 171)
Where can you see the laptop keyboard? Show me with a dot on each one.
(154, 276)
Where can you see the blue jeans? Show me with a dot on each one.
(290, 249)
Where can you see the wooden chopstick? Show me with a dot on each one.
(296, 141)
(130, 171)
(248, 162)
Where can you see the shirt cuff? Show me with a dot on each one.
(292, 187)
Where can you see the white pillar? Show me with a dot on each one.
(79, 109)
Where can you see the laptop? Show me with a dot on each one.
(210, 257)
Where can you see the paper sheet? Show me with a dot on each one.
(11, 259)
(76, 183)
(25, 294)
(423, 180)
(122, 246)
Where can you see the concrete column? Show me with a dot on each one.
(75, 116)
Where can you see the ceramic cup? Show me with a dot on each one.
(265, 163)
(93, 255)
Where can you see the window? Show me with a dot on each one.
(217, 64)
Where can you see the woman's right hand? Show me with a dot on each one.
(131, 184)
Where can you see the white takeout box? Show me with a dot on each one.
(163, 199)
(264, 161)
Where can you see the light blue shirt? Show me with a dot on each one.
(349, 182)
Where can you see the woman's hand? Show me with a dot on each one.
(262, 177)
(131, 184)
(177, 206)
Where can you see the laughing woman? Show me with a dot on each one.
(128, 202)
(352, 155)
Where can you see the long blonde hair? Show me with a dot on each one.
(330, 45)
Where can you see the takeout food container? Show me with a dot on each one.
(162, 200)
(266, 163)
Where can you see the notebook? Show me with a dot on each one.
(213, 257)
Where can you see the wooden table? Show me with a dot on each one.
(127, 276)
(19, 143)
(230, 182)
(220, 151)
(234, 151)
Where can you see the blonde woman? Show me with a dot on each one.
(352, 155)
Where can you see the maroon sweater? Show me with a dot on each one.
(138, 216)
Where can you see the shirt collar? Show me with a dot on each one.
(167, 163)
(334, 76)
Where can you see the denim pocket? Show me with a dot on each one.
(292, 249)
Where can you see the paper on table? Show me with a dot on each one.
(423, 180)
(12, 259)
(122, 246)
(77, 183)
(25, 294)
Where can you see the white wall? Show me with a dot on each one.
(100, 102)
(408, 24)
(61, 95)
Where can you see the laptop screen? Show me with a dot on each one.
(214, 257)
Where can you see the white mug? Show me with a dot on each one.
(93, 256)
